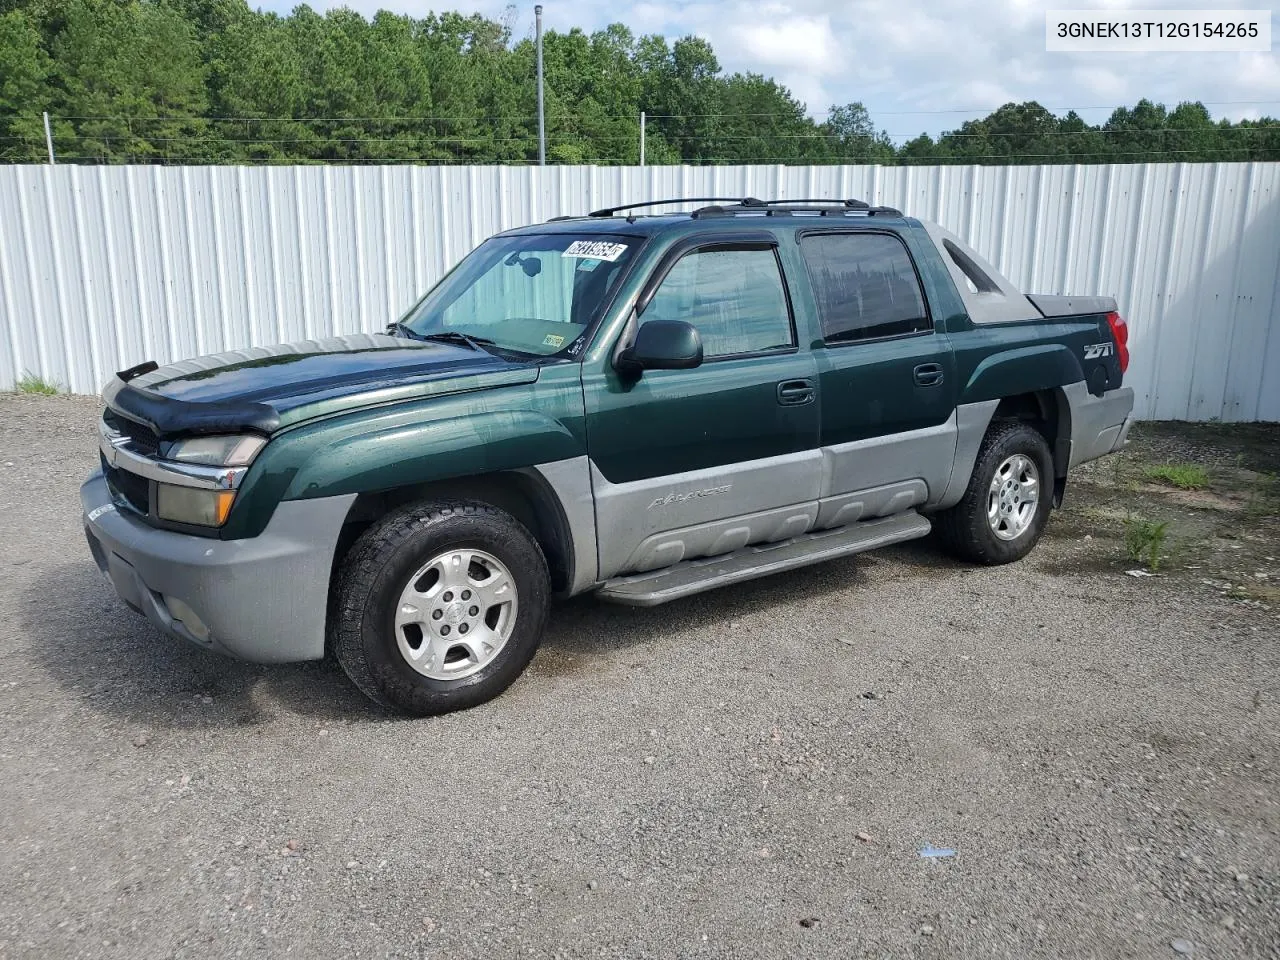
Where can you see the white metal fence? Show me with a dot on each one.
(103, 267)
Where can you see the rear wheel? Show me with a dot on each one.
(1005, 507)
(440, 606)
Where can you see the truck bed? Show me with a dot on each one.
(1055, 306)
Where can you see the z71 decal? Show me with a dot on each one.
(1095, 350)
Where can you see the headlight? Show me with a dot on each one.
(208, 508)
(217, 451)
(199, 505)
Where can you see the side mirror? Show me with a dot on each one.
(662, 345)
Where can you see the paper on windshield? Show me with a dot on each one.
(595, 250)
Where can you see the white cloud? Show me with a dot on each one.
(912, 63)
(787, 42)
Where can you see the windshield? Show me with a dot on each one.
(533, 294)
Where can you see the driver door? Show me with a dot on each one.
(704, 461)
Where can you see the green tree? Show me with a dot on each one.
(24, 94)
(1191, 135)
(220, 81)
(1138, 135)
(1260, 137)
(131, 76)
(853, 138)
(920, 150)
(1025, 130)
(680, 91)
(256, 71)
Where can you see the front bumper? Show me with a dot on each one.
(262, 599)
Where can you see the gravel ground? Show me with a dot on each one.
(751, 773)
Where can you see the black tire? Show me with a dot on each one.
(376, 570)
(963, 530)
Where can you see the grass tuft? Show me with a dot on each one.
(1184, 476)
(1144, 541)
(1264, 496)
(30, 383)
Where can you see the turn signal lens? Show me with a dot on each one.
(206, 508)
(1120, 333)
(222, 505)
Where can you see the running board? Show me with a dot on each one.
(694, 576)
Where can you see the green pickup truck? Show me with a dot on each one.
(643, 406)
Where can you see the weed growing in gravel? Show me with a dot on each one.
(1184, 476)
(30, 383)
(1264, 493)
(1144, 541)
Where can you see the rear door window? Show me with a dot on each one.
(865, 286)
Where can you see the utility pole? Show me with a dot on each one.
(542, 120)
(48, 138)
(642, 138)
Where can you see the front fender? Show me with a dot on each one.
(1010, 373)
(436, 450)
(383, 448)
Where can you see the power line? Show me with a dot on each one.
(983, 136)
(610, 116)
(1211, 128)
(1007, 160)
(279, 119)
(579, 136)
(1109, 106)
(302, 140)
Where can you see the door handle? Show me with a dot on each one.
(928, 374)
(793, 393)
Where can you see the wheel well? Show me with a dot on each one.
(1050, 412)
(522, 494)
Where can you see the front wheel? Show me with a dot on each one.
(1006, 505)
(440, 606)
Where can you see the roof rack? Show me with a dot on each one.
(732, 206)
(854, 204)
(786, 208)
(740, 201)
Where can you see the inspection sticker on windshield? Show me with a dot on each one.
(595, 250)
(552, 340)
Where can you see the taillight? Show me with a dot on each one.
(1120, 333)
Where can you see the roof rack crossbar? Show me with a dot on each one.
(741, 201)
(852, 204)
(785, 209)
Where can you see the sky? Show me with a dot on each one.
(917, 67)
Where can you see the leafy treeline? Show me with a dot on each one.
(156, 81)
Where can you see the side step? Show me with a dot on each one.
(694, 576)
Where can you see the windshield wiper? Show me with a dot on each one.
(444, 336)
(456, 336)
(401, 329)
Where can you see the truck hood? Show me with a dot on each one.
(256, 389)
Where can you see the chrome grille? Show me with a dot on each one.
(141, 437)
(130, 487)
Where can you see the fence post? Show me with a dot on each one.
(48, 138)
(642, 138)
(542, 123)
